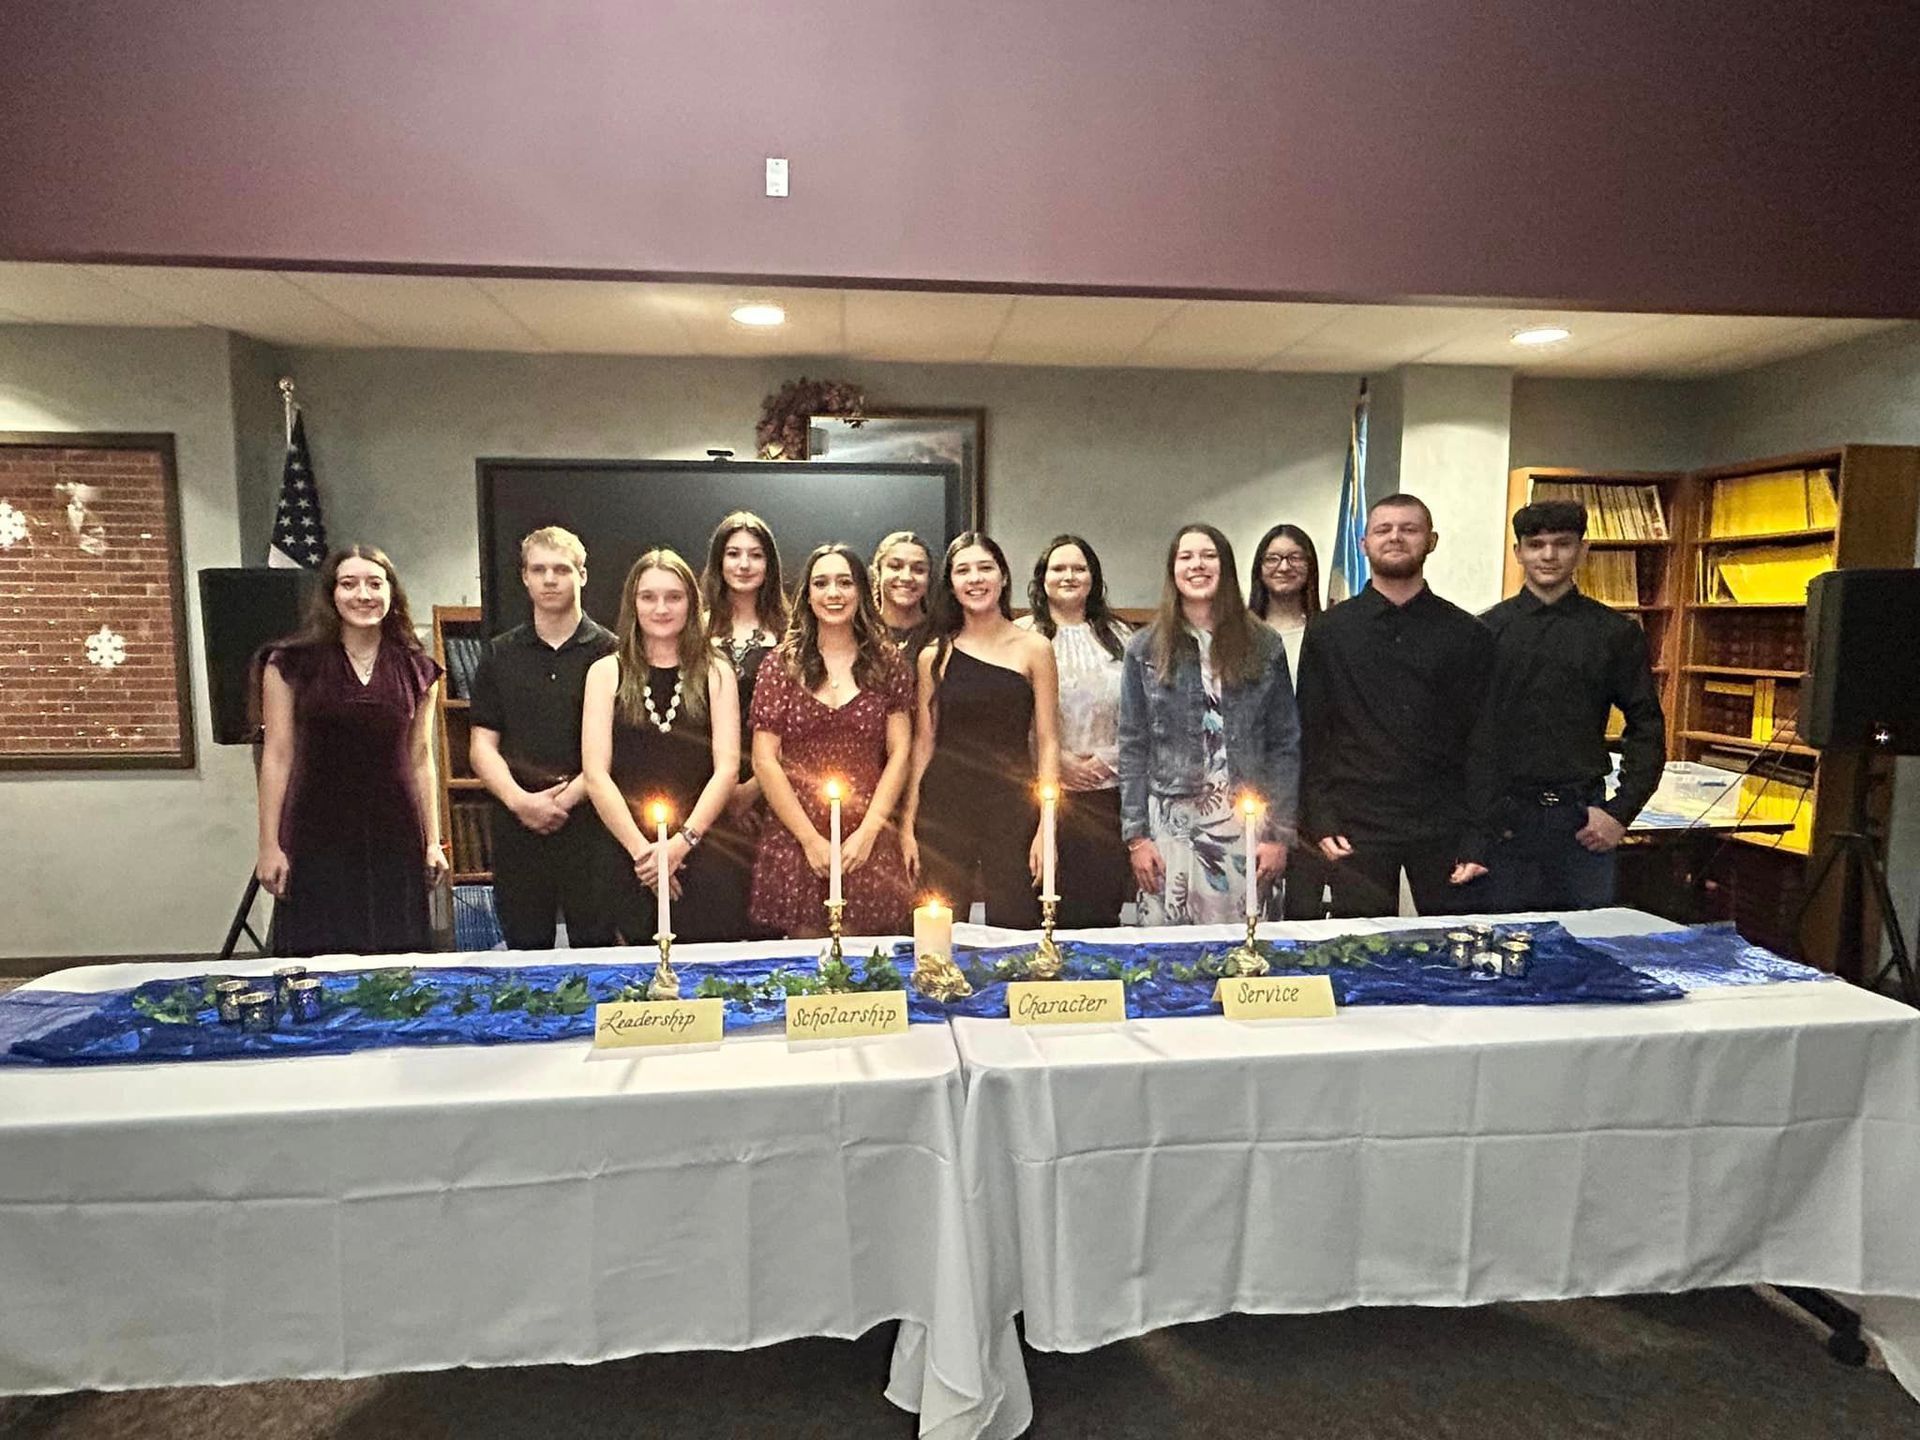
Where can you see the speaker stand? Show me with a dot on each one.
(1856, 849)
(243, 922)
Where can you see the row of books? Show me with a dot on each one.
(1761, 574)
(1614, 512)
(1610, 576)
(463, 659)
(1759, 708)
(1755, 640)
(1772, 798)
(1769, 504)
(472, 839)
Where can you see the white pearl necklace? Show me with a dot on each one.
(673, 706)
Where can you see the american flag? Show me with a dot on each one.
(299, 536)
(1350, 569)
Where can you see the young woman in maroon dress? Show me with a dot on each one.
(348, 842)
(832, 703)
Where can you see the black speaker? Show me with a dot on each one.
(1863, 648)
(241, 611)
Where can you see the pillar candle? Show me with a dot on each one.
(932, 928)
(1249, 811)
(663, 915)
(833, 839)
(1049, 818)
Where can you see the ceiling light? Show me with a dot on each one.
(759, 316)
(1539, 335)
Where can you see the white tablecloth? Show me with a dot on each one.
(1128, 1178)
(395, 1210)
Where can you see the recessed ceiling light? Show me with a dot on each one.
(759, 316)
(1541, 335)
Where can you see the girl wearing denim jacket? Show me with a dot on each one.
(1206, 714)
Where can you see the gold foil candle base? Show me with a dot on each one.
(1245, 959)
(938, 978)
(665, 983)
(1047, 960)
(836, 909)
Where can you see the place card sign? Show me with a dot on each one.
(1276, 997)
(1066, 1002)
(836, 1017)
(627, 1023)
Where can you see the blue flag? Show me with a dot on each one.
(299, 537)
(1349, 573)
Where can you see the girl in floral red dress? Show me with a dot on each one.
(832, 703)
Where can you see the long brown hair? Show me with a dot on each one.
(769, 602)
(1259, 598)
(874, 655)
(321, 624)
(1237, 656)
(1099, 612)
(695, 659)
(945, 617)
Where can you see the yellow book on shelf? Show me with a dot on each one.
(1775, 801)
(1823, 501)
(1760, 504)
(1772, 574)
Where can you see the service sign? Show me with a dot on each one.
(1276, 997)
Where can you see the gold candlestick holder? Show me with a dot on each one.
(665, 984)
(1047, 959)
(836, 909)
(1245, 958)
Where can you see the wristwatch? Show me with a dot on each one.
(690, 835)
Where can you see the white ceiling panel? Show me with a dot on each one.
(587, 317)
(422, 311)
(922, 326)
(1376, 337)
(1231, 335)
(1078, 329)
(75, 295)
(260, 303)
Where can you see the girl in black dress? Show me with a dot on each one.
(988, 727)
(661, 723)
(747, 611)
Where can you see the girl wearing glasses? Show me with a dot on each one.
(1284, 588)
(1284, 592)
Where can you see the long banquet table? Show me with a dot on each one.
(394, 1210)
(1169, 1170)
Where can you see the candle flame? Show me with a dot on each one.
(658, 812)
(833, 790)
(1249, 804)
(1049, 792)
(933, 902)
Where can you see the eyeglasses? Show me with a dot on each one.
(1283, 562)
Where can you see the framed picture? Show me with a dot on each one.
(914, 436)
(93, 632)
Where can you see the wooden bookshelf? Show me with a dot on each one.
(464, 808)
(1721, 643)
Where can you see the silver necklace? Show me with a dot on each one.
(673, 706)
(365, 672)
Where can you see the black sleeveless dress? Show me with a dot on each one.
(673, 766)
(977, 811)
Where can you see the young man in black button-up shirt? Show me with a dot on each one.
(551, 854)
(1391, 684)
(1546, 829)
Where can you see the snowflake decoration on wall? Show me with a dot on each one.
(106, 649)
(13, 526)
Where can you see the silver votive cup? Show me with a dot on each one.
(1461, 946)
(1483, 934)
(256, 1009)
(1516, 955)
(303, 998)
(226, 996)
(283, 979)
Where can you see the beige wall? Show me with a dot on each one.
(119, 862)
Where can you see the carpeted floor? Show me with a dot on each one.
(1716, 1364)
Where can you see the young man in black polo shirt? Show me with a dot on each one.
(1391, 684)
(550, 851)
(1547, 831)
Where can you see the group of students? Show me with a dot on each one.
(1391, 733)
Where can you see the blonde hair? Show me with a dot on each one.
(696, 658)
(554, 537)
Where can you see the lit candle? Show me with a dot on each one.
(932, 928)
(663, 918)
(1049, 814)
(1249, 810)
(833, 839)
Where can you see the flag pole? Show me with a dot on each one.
(287, 401)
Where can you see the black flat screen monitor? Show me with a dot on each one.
(622, 508)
